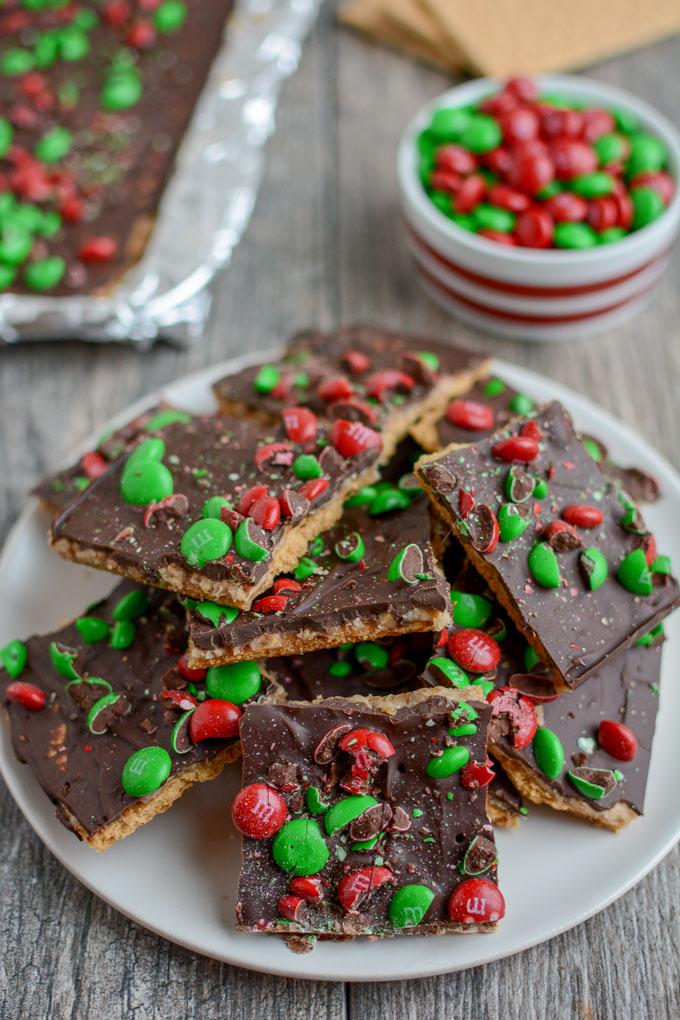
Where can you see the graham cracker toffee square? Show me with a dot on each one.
(382, 379)
(94, 710)
(216, 508)
(369, 577)
(366, 817)
(590, 750)
(585, 752)
(57, 490)
(490, 405)
(487, 406)
(564, 551)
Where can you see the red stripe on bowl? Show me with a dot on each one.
(518, 288)
(529, 320)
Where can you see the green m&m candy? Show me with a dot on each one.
(548, 752)
(170, 16)
(131, 605)
(351, 548)
(407, 565)
(531, 658)
(429, 359)
(448, 123)
(346, 810)
(593, 185)
(306, 466)
(145, 771)
(122, 89)
(236, 682)
(43, 274)
(53, 146)
(123, 634)
(574, 235)
(543, 566)
(94, 723)
(388, 499)
(340, 669)
(162, 419)
(204, 541)
(6, 136)
(247, 542)
(145, 481)
(452, 759)
(647, 153)
(213, 507)
(409, 905)
(521, 404)
(73, 43)
(305, 568)
(470, 610)
(492, 217)
(611, 235)
(634, 574)
(267, 379)
(511, 522)
(610, 148)
(216, 614)
(456, 676)
(368, 653)
(482, 133)
(594, 568)
(16, 61)
(494, 387)
(314, 801)
(647, 206)
(150, 449)
(13, 657)
(299, 847)
(92, 629)
(15, 244)
(62, 659)
(364, 497)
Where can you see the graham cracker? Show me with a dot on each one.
(420, 38)
(503, 37)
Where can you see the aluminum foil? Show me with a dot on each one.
(207, 203)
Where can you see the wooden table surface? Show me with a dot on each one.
(324, 246)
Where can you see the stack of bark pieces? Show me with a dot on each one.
(392, 639)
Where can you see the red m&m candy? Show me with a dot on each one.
(27, 695)
(474, 651)
(617, 739)
(258, 810)
(470, 414)
(476, 901)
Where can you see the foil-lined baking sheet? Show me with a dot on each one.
(206, 205)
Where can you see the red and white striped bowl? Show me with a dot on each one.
(536, 294)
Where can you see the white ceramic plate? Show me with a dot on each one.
(178, 876)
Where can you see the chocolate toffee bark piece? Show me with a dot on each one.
(504, 804)
(566, 555)
(383, 379)
(490, 405)
(590, 752)
(57, 491)
(96, 100)
(369, 577)
(96, 711)
(487, 406)
(216, 508)
(551, 746)
(366, 816)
